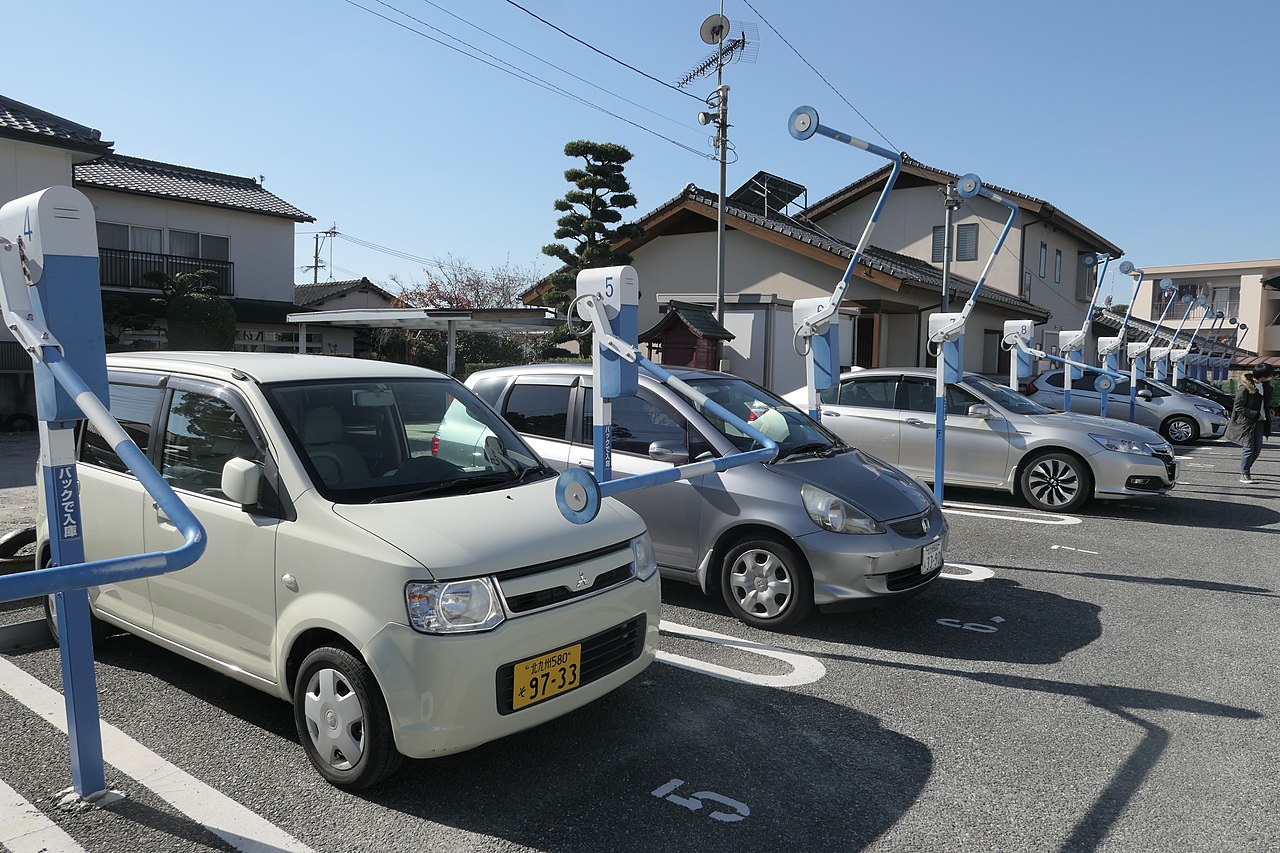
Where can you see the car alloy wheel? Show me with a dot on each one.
(766, 584)
(1055, 482)
(342, 719)
(1181, 430)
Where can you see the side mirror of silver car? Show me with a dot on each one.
(979, 410)
(669, 451)
(1144, 393)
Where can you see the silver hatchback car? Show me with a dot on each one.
(996, 439)
(1181, 418)
(823, 524)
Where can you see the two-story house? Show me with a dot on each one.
(779, 249)
(154, 216)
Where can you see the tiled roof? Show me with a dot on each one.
(310, 294)
(20, 121)
(1142, 330)
(148, 177)
(700, 319)
(905, 267)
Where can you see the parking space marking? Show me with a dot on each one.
(1069, 548)
(804, 669)
(224, 817)
(25, 829)
(971, 573)
(1009, 513)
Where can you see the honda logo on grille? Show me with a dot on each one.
(924, 525)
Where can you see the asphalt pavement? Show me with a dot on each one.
(1103, 680)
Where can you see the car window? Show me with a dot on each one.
(489, 388)
(1005, 397)
(637, 423)
(763, 410)
(1156, 390)
(870, 393)
(959, 400)
(201, 434)
(1054, 379)
(135, 408)
(919, 394)
(539, 409)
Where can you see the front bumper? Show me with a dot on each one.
(853, 571)
(442, 691)
(1213, 427)
(1125, 475)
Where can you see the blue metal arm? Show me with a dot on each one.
(116, 569)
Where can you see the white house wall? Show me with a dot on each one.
(26, 168)
(261, 247)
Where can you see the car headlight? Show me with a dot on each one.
(453, 607)
(1211, 410)
(1122, 445)
(642, 556)
(831, 513)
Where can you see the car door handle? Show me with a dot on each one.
(828, 413)
(915, 421)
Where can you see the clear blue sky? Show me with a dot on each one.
(1154, 123)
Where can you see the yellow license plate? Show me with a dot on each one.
(546, 676)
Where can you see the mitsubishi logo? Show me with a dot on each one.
(582, 580)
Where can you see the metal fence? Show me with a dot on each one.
(125, 268)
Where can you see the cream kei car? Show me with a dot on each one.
(408, 602)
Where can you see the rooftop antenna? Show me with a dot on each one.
(732, 45)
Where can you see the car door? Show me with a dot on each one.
(114, 501)
(672, 511)
(977, 449)
(863, 412)
(538, 408)
(224, 605)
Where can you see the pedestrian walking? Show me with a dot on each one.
(1251, 417)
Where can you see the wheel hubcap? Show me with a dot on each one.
(1180, 431)
(335, 719)
(761, 584)
(1054, 482)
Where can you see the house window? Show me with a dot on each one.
(1044, 259)
(1057, 266)
(189, 244)
(133, 238)
(967, 242)
(939, 240)
(1026, 285)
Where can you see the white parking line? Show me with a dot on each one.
(804, 669)
(1069, 548)
(971, 573)
(224, 817)
(1008, 513)
(25, 829)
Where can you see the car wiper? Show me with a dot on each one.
(813, 448)
(463, 484)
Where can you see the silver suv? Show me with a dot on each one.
(996, 439)
(824, 523)
(1181, 418)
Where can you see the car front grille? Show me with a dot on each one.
(602, 653)
(562, 590)
(907, 578)
(1170, 466)
(558, 594)
(912, 527)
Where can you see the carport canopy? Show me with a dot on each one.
(450, 320)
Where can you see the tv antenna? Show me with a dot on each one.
(734, 43)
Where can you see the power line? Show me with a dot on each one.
(518, 73)
(816, 71)
(560, 69)
(671, 86)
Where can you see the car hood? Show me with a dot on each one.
(1096, 423)
(459, 536)
(876, 487)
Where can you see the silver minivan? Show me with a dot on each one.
(823, 524)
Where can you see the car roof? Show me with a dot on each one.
(871, 372)
(266, 366)
(584, 369)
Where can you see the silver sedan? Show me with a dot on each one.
(995, 439)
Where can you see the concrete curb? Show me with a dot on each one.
(22, 636)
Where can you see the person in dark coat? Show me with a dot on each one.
(1251, 418)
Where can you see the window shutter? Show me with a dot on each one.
(967, 242)
(939, 238)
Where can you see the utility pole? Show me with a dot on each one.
(952, 202)
(316, 263)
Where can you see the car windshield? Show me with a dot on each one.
(793, 430)
(397, 439)
(1005, 397)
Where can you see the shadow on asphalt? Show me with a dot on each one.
(1189, 583)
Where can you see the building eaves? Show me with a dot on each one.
(1042, 209)
(28, 124)
(182, 183)
(310, 294)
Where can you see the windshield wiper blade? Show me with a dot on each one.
(460, 484)
(813, 448)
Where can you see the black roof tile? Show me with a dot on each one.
(20, 121)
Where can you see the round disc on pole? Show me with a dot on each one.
(1187, 299)
(968, 185)
(1166, 283)
(1104, 383)
(714, 29)
(1244, 327)
(1126, 267)
(1232, 321)
(1201, 302)
(1089, 261)
(1218, 315)
(577, 495)
(803, 122)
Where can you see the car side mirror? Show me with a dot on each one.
(980, 410)
(1145, 394)
(669, 451)
(241, 481)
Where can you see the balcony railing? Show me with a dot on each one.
(124, 268)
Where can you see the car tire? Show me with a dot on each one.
(342, 720)
(1180, 429)
(1056, 482)
(766, 584)
(98, 629)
